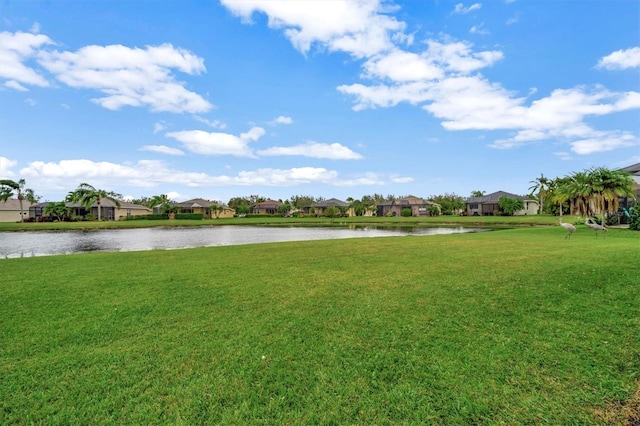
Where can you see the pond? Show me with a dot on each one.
(28, 244)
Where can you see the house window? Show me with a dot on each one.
(473, 206)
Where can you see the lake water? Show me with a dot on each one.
(28, 244)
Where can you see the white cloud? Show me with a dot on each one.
(358, 27)
(513, 20)
(5, 168)
(399, 65)
(334, 151)
(216, 124)
(162, 149)
(65, 174)
(130, 76)
(159, 127)
(604, 141)
(621, 59)
(217, 143)
(281, 120)
(15, 50)
(479, 29)
(460, 8)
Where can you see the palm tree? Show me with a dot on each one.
(541, 185)
(594, 191)
(88, 195)
(158, 200)
(9, 188)
(59, 210)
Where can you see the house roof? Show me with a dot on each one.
(104, 202)
(634, 169)
(14, 204)
(267, 203)
(196, 202)
(332, 202)
(493, 198)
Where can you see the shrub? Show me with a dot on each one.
(634, 218)
(190, 216)
(156, 216)
(406, 212)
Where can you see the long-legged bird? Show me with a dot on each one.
(569, 227)
(595, 226)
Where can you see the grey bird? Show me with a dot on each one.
(569, 227)
(595, 226)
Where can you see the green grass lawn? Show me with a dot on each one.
(508, 327)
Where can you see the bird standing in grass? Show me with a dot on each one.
(595, 226)
(569, 227)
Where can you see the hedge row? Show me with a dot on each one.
(148, 217)
(191, 216)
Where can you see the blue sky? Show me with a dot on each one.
(329, 98)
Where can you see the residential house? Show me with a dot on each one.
(318, 208)
(10, 210)
(487, 205)
(108, 210)
(208, 209)
(418, 206)
(265, 207)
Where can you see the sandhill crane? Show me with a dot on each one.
(594, 226)
(569, 227)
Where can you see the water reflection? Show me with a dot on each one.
(28, 244)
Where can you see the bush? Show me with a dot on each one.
(156, 216)
(634, 218)
(406, 212)
(189, 216)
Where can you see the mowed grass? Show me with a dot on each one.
(507, 327)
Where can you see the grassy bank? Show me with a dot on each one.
(536, 220)
(512, 327)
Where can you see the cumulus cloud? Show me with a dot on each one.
(218, 143)
(281, 120)
(16, 49)
(130, 76)
(358, 27)
(5, 168)
(151, 173)
(162, 149)
(621, 59)
(334, 151)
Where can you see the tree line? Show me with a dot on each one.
(592, 192)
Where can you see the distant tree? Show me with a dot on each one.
(301, 201)
(541, 185)
(434, 211)
(87, 195)
(359, 208)
(332, 211)
(242, 209)
(478, 193)
(509, 206)
(216, 210)
(372, 200)
(58, 210)
(284, 208)
(237, 202)
(10, 188)
(158, 200)
(450, 203)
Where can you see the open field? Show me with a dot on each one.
(509, 327)
(509, 221)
